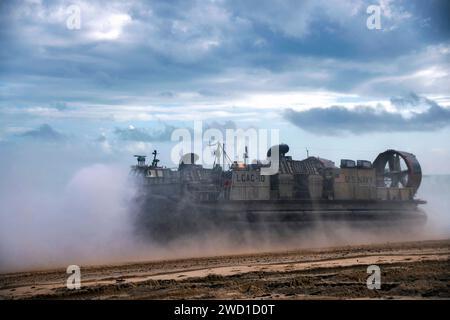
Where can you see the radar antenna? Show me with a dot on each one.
(140, 160)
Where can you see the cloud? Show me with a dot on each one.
(413, 103)
(172, 60)
(101, 138)
(366, 119)
(221, 126)
(411, 100)
(44, 132)
(61, 106)
(144, 135)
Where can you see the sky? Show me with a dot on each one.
(109, 79)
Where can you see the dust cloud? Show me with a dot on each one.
(435, 189)
(58, 212)
(60, 205)
(84, 221)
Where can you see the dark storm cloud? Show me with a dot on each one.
(44, 132)
(365, 119)
(412, 100)
(171, 46)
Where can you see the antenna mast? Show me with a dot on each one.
(245, 155)
(223, 156)
(155, 161)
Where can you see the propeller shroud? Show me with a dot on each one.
(398, 169)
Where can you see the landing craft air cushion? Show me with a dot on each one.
(301, 192)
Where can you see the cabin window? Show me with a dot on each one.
(151, 173)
